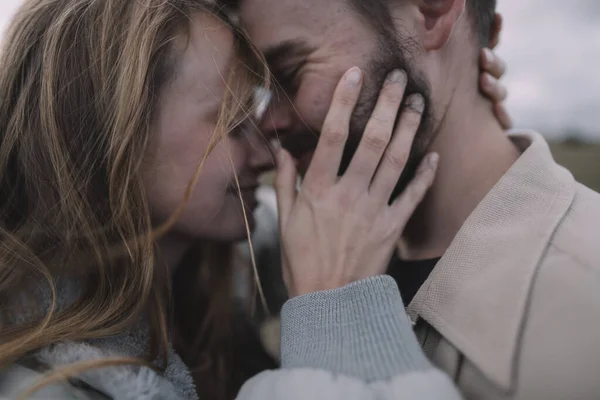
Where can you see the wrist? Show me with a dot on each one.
(304, 288)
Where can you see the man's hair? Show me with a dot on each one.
(377, 13)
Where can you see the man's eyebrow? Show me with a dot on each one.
(285, 51)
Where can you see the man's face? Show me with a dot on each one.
(309, 44)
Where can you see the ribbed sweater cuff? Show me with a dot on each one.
(359, 330)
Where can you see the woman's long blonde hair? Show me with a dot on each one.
(79, 82)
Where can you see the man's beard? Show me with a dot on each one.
(390, 56)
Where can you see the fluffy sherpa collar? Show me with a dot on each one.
(126, 382)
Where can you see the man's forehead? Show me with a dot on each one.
(273, 22)
(268, 11)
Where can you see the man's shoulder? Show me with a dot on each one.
(568, 277)
(571, 262)
(560, 340)
(576, 242)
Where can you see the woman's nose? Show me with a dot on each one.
(261, 151)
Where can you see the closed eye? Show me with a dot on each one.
(286, 59)
(287, 78)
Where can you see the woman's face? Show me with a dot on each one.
(185, 122)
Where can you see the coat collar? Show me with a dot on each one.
(477, 295)
(126, 382)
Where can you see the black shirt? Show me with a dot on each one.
(410, 275)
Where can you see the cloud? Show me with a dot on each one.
(552, 48)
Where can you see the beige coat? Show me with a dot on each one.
(512, 310)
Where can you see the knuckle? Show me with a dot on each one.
(313, 190)
(380, 122)
(392, 96)
(412, 119)
(396, 160)
(376, 142)
(345, 99)
(484, 82)
(488, 81)
(334, 136)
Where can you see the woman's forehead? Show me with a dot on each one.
(206, 59)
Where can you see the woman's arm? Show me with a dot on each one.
(345, 333)
(355, 342)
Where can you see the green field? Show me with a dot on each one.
(582, 159)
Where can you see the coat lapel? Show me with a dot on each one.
(477, 295)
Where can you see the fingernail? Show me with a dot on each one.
(432, 160)
(353, 76)
(398, 76)
(416, 102)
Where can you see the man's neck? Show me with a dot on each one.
(475, 153)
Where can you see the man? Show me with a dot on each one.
(503, 254)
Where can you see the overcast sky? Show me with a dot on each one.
(552, 48)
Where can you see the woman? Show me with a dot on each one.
(128, 166)
(107, 110)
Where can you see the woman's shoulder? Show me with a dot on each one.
(126, 381)
(17, 378)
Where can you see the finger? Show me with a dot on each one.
(502, 115)
(285, 186)
(285, 270)
(492, 64)
(378, 131)
(492, 88)
(405, 205)
(397, 153)
(328, 154)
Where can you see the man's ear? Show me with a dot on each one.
(439, 20)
